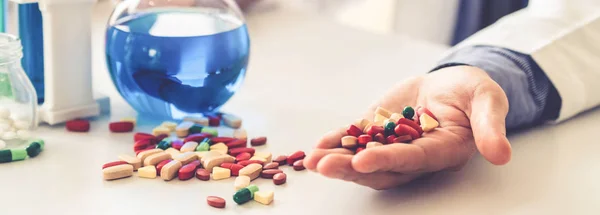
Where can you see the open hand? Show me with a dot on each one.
(471, 109)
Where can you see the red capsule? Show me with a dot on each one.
(78, 125)
(412, 124)
(364, 139)
(244, 156)
(196, 163)
(390, 139)
(214, 120)
(222, 139)
(403, 139)
(226, 165)
(272, 165)
(258, 141)
(160, 165)
(235, 169)
(248, 162)
(145, 149)
(121, 127)
(374, 130)
(237, 151)
(143, 144)
(186, 172)
(281, 159)
(403, 129)
(294, 157)
(139, 136)
(236, 144)
(203, 174)
(197, 137)
(114, 163)
(177, 144)
(380, 138)
(354, 131)
(161, 137)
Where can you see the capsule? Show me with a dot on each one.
(245, 194)
(195, 129)
(212, 131)
(34, 149)
(389, 128)
(164, 144)
(408, 112)
(204, 146)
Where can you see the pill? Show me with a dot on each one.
(252, 171)
(242, 196)
(265, 155)
(129, 119)
(187, 171)
(423, 110)
(374, 130)
(186, 157)
(379, 138)
(364, 139)
(202, 174)
(39, 141)
(408, 112)
(189, 147)
(237, 143)
(78, 125)
(354, 131)
(403, 129)
(237, 151)
(258, 141)
(216, 202)
(198, 120)
(140, 136)
(264, 197)
(210, 162)
(243, 156)
(428, 123)
(219, 173)
(154, 159)
(395, 117)
(170, 125)
(248, 162)
(197, 137)
(9, 135)
(361, 123)
(4, 113)
(221, 150)
(232, 121)
(222, 139)
(235, 169)
(299, 165)
(226, 165)
(164, 144)
(212, 131)
(403, 139)
(281, 159)
(389, 139)
(117, 172)
(114, 163)
(196, 129)
(294, 157)
(183, 129)
(204, 146)
(412, 124)
(370, 145)
(241, 182)
(379, 118)
(161, 130)
(279, 178)
(160, 165)
(143, 144)
(132, 160)
(349, 142)
(177, 144)
(269, 173)
(120, 127)
(240, 134)
(196, 163)
(173, 152)
(384, 112)
(272, 165)
(23, 134)
(202, 155)
(5, 156)
(143, 155)
(2, 144)
(214, 120)
(389, 128)
(219, 146)
(261, 159)
(160, 137)
(169, 171)
(147, 172)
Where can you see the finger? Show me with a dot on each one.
(391, 157)
(339, 166)
(312, 159)
(489, 107)
(332, 139)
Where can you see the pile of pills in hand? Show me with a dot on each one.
(388, 128)
(199, 151)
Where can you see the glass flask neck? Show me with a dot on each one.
(11, 50)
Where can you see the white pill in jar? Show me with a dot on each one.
(2, 144)
(24, 134)
(4, 113)
(21, 124)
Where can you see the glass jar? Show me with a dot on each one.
(176, 58)
(18, 99)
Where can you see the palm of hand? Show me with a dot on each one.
(453, 97)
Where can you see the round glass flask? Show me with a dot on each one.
(175, 58)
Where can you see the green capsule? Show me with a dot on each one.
(211, 131)
(5, 156)
(195, 129)
(39, 141)
(18, 154)
(253, 188)
(389, 128)
(242, 196)
(408, 112)
(203, 146)
(164, 144)
(34, 149)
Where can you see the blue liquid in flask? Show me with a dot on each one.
(174, 63)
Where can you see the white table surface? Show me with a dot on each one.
(308, 75)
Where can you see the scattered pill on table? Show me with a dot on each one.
(78, 125)
(189, 147)
(237, 151)
(202, 174)
(294, 157)
(186, 157)
(173, 152)
(264, 197)
(161, 130)
(240, 134)
(187, 171)
(267, 156)
(252, 171)
(117, 172)
(156, 158)
(235, 169)
(241, 182)
(354, 131)
(232, 121)
(272, 165)
(147, 172)
(374, 130)
(169, 171)
(299, 165)
(216, 202)
(132, 160)
(212, 131)
(114, 163)
(237, 143)
(242, 196)
(258, 141)
(279, 178)
(269, 173)
(121, 127)
(160, 165)
(219, 173)
(281, 159)
(243, 156)
(204, 146)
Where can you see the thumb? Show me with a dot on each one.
(489, 107)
